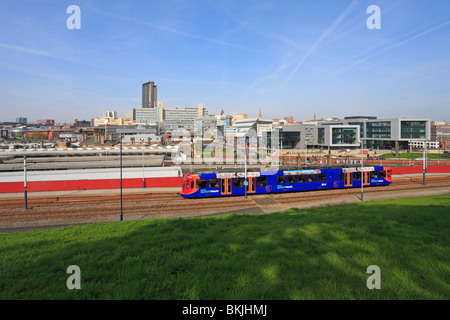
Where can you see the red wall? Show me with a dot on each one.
(34, 186)
(172, 182)
(419, 169)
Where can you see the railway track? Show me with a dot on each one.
(107, 208)
(42, 209)
(313, 196)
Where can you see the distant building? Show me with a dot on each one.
(109, 114)
(205, 124)
(239, 116)
(110, 121)
(81, 123)
(289, 119)
(140, 133)
(21, 120)
(184, 114)
(223, 119)
(173, 126)
(147, 115)
(149, 95)
(257, 124)
(440, 132)
(288, 135)
(46, 122)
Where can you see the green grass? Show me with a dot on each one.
(414, 155)
(320, 253)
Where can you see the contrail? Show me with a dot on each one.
(394, 45)
(326, 33)
(23, 49)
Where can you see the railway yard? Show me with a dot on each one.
(81, 203)
(54, 209)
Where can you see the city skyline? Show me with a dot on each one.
(289, 58)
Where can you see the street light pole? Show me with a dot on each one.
(424, 159)
(143, 175)
(306, 157)
(362, 169)
(121, 202)
(245, 176)
(25, 181)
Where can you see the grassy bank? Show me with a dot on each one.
(320, 253)
(415, 155)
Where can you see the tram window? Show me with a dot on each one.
(261, 181)
(382, 174)
(201, 183)
(357, 176)
(312, 178)
(213, 183)
(341, 176)
(292, 179)
(281, 179)
(373, 175)
(192, 184)
(238, 182)
(187, 185)
(302, 178)
(322, 177)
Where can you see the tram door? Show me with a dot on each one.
(251, 185)
(225, 185)
(366, 180)
(348, 180)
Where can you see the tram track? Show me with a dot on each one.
(138, 205)
(313, 195)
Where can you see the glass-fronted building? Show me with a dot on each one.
(376, 133)
(386, 133)
(413, 129)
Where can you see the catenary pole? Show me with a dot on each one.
(121, 202)
(25, 182)
(362, 169)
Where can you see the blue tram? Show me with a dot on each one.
(233, 183)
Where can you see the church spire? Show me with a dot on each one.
(260, 115)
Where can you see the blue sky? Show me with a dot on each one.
(286, 57)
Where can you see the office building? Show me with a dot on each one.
(440, 132)
(45, 122)
(140, 133)
(21, 120)
(289, 137)
(336, 136)
(149, 95)
(257, 124)
(376, 133)
(206, 124)
(109, 114)
(147, 115)
(184, 114)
